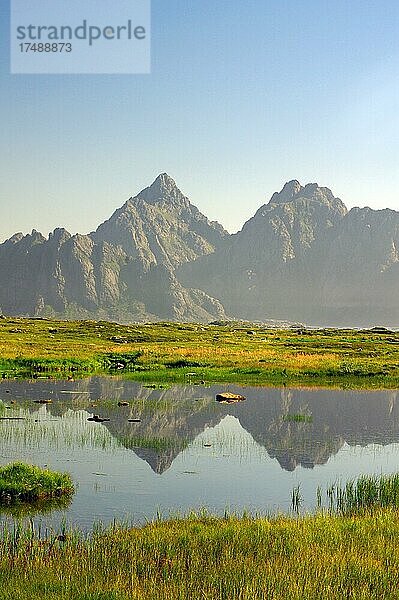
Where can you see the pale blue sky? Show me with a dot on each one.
(243, 96)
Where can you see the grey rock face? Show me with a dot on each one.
(358, 267)
(161, 227)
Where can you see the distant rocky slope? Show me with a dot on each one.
(301, 257)
(304, 257)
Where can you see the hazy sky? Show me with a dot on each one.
(243, 96)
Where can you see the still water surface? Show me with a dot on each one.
(190, 452)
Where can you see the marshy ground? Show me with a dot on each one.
(181, 352)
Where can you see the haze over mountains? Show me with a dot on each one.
(301, 257)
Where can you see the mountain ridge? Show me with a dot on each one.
(302, 257)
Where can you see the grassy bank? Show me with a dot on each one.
(314, 557)
(26, 483)
(170, 352)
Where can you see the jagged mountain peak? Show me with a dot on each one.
(301, 257)
(293, 191)
(34, 238)
(59, 235)
(164, 181)
(162, 190)
(160, 226)
(289, 191)
(14, 239)
(295, 198)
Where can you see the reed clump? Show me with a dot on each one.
(367, 492)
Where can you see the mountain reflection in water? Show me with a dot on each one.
(299, 428)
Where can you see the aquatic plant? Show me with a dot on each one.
(296, 498)
(298, 418)
(156, 443)
(367, 492)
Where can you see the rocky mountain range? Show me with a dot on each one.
(302, 257)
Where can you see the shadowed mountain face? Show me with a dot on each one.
(301, 257)
(297, 427)
(304, 257)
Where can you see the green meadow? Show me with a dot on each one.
(224, 352)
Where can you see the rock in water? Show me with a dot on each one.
(229, 398)
(97, 419)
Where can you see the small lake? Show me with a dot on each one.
(186, 451)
